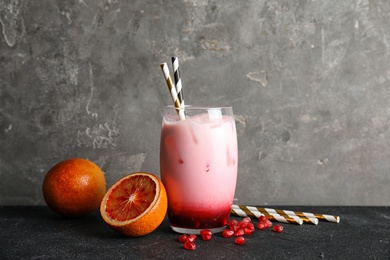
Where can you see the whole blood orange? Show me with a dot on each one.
(74, 187)
(135, 205)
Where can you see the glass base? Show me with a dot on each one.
(196, 231)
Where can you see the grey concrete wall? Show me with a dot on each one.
(308, 81)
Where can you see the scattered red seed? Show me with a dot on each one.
(242, 224)
(239, 232)
(278, 228)
(189, 245)
(250, 226)
(206, 237)
(261, 225)
(191, 238)
(239, 240)
(183, 238)
(262, 218)
(264, 222)
(268, 223)
(247, 219)
(248, 231)
(206, 234)
(232, 223)
(227, 233)
(235, 228)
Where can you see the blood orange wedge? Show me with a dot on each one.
(135, 205)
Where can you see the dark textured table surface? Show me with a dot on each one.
(38, 233)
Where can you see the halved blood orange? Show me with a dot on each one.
(135, 205)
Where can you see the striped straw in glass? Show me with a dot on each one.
(172, 90)
(178, 84)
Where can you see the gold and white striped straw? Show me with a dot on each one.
(330, 218)
(306, 219)
(172, 90)
(247, 211)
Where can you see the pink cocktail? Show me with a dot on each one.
(198, 163)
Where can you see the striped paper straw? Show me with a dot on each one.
(247, 211)
(329, 218)
(172, 90)
(176, 76)
(306, 219)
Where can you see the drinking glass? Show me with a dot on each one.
(198, 164)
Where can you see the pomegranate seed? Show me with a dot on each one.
(261, 225)
(232, 223)
(235, 228)
(278, 229)
(262, 218)
(183, 238)
(247, 219)
(239, 232)
(268, 223)
(206, 237)
(248, 231)
(239, 240)
(191, 238)
(206, 234)
(227, 233)
(250, 226)
(189, 245)
(242, 224)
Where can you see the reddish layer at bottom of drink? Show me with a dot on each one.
(199, 219)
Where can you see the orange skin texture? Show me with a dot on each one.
(145, 224)
(74, 187)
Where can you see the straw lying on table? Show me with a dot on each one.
(286, 216)
(175, 90)
(245, 211)
(302, 215)
(311, 220)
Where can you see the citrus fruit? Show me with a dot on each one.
(135, 205)
(74, 187)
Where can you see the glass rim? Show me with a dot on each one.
(196, 107)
